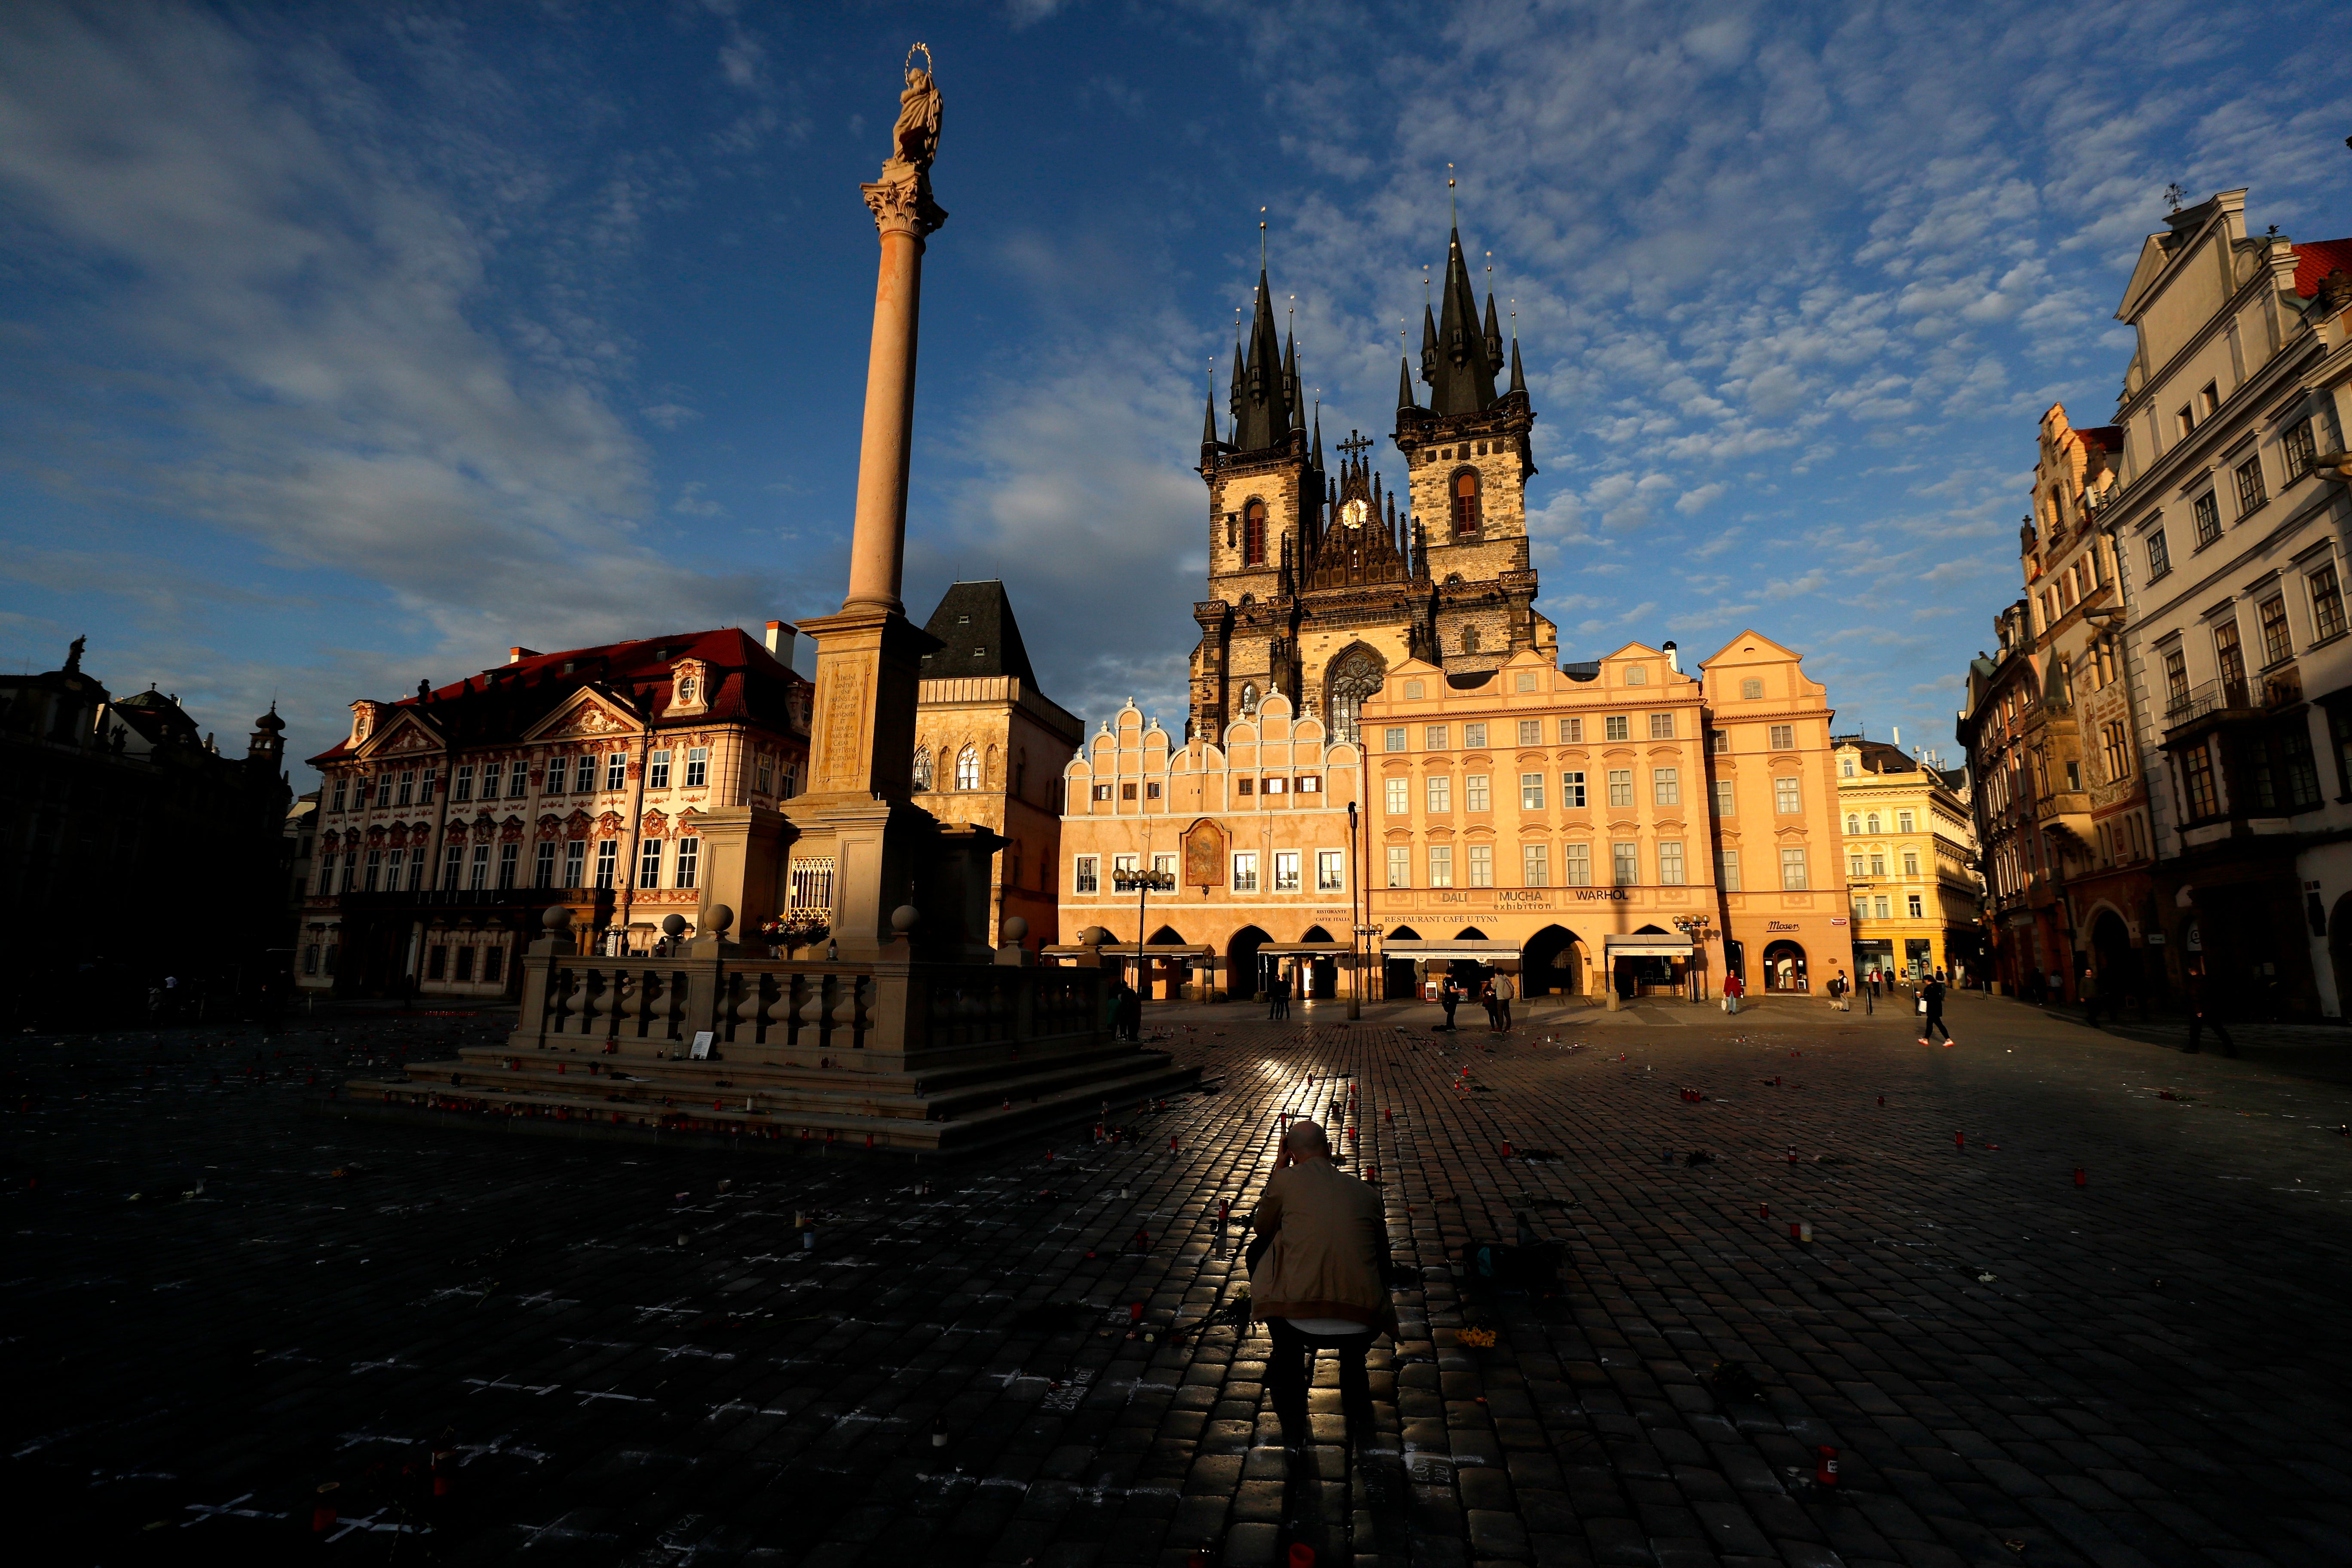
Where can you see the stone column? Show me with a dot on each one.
(905, 215)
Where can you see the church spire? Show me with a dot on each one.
(1405, 383)
(1464, 378)
(1518, 376)
(1263, 417)
(1494, 337)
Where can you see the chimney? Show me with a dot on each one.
(780, 641)
(1898, 737)
(517, 655)
(1674, 660)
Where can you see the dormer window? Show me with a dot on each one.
(689, 690)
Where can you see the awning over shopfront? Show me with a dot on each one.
(1296, 949)
(1127, 950)
(1428, 949)
(1647, 944)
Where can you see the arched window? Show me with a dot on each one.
(1466, 504)
(1872, 820)
(922, 767)
(1852, 822)
(1354, 675)
(1253, 534)
(967, 769)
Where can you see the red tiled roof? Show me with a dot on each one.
(2315, 260)
(748, 683)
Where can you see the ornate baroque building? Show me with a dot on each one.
(628, 781)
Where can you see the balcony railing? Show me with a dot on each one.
(2277, 689)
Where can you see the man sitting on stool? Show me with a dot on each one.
(1318, 1279)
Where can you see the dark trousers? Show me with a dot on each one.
(1449, 1014)
(1935, 1022)
(1290, 1369)
(1503, 1011)
(2199, 1023)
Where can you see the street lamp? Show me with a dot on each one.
(1355, 913)
(1142, 882)
(1694, 927)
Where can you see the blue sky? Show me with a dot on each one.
(342, 346)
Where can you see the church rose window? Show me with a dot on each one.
(1465, 505)
(1253, 534)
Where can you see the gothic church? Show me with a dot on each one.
(1319, 587)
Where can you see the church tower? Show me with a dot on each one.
(1266, 492)
(1469, 459)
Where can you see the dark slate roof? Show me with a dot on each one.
(1461, 373)
(975, 621)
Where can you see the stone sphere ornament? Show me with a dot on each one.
(672, 926)
(905, 918)
(1015, 928)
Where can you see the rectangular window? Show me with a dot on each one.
(1531, 792)
(1434, 738)
(477, 870)
(2115, 750)
(1620, 787)
(1617, 727)
(2251, 491)
(2231, 660)
(1625, 864)
(374, 870)
(1669, 864)
(1662, 726)
(1474, 736)
(2176, 679)
(1245, 788)
(1878, 862)
(1392, 737)
(493, 779)
(395, 868)
(543, 864)
(1571, 791)
(649, 862)
(1786, 797)
(559, 774)
(1285, 870)
(1102, 791)
(1571, 731)
(1088, 878)
(1481, 866)
(690, 863)
(337, 801)
(608, 863)
(1475, 794)
(518, 781)
(1853, 864)
(616, 770)
(1917, 910)
(2300, 448)
(509, 862)
(1860, 908)
(2275, 643)
(1726, 797)
(657, 770)
(1331, 874)
(311, 959)
(1440, 789)
(407, 788)
(1793, 870)
(1530, 731)
(1726, 870)
(2299, 771)
(1719, 741)
(1127, 791)
(1910, 862)
(1273, 786)
(1535, 865)
(1400, 866)
(764, 774)
(493, 965)
(2208, 513)
(462, 785)
(464, 964)
(576, 861)
(1665, 787)
(1784, 737)
(2159, 556)
(1881, 906)
(453, 868)
(1399, 797)
(436, 962)
(1245, 872)
(698, 767)
(1441, 864)
(2326, 605)
(1311, 784)
(1902, 821)
(1576, 865)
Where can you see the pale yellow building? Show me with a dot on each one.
(1911, 855)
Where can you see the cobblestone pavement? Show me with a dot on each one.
(625, 1355)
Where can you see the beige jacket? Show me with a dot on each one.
(1330, 1251)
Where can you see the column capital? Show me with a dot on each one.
(901, 201)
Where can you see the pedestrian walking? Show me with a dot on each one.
(1278, 991)
(1449, 996)
(1487, 1000)
(1318, 1280)
(1838, 989)
(2205, 1009)
(1931, 1003)
(2088, 989)
(1734, 988)
(1503, 992)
